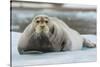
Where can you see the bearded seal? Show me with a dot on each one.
(50, 34)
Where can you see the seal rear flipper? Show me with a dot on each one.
(88, 43)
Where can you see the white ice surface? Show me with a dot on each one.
(84, 55)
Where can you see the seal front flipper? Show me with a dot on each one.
(21, 52)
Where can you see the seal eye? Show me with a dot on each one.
(37, 21)
(46, 21)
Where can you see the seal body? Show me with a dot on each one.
(48, 34)
(40, 43)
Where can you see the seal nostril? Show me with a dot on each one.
(42, 27)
